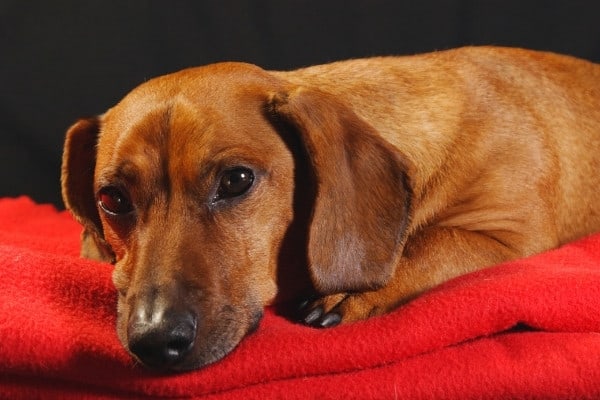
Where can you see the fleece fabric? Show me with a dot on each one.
(528, 329)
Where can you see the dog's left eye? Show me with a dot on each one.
(235, 182)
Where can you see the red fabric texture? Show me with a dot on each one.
(524, 329)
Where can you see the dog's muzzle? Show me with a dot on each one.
(161, 339)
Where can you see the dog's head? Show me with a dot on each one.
(208, 188)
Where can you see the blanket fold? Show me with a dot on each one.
(523, 329)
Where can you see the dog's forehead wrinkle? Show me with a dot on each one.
(143, 153)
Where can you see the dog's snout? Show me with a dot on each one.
(162, 340)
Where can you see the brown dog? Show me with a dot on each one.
(217, 190)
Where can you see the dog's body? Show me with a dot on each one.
(217, 189)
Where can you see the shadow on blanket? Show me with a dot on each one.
(525, 329)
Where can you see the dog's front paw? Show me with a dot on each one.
(332, 310)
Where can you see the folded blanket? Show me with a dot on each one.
(524, 329)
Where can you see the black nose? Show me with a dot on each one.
(162, 341)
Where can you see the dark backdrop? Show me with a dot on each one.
(60, 60)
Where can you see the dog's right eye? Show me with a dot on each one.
(235, 182)
(114, 201)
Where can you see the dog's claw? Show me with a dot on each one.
(303, 305)
(318, 318)
(321, 312)
(329, 320)
(314, 316)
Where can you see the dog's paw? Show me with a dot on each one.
(332, 310)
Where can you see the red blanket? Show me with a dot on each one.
(525, 329)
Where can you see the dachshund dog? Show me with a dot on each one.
(352, 186)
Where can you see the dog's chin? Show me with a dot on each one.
(219, 343)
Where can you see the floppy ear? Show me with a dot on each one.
(361, 210)
(77, 180)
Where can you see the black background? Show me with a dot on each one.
(61, 60)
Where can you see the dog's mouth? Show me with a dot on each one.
(182, 341)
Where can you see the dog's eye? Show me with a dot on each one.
(114, 201)
(235, 182)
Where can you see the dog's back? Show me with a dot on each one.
(543, 108)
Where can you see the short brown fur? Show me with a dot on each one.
(374, 180)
